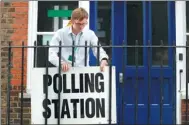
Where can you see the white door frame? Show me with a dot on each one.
(180, 14)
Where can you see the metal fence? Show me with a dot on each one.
(111, 47)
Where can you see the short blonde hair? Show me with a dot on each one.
(79, 14)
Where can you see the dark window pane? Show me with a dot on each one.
(159, 32)
(104, 23)
(51, 24)
(134, 32)
(187, 16)
(40, 53)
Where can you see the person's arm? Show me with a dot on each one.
(102, 53)
(53, 51)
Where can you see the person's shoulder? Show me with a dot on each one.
(63, 30)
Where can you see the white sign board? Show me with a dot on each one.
(84, 96)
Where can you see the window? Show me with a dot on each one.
(104, 23)
(42, 24)
(159, 32)
(48, 23)
(134, 31)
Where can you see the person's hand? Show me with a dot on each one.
(65, 67)
(103, 63)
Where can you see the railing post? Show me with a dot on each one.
(35, 54)
(174, 83)
(136, 84)
(59, 74)
(110, 86)
(86, 53)
(123, 82)
(9, 84)
(186, 111)
(46, 79)
(22, 85)
(149, 81)
(98, 54)
(161, 86)
(73, 53)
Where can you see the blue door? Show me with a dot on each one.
(147, 92)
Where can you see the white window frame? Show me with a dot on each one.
(32, 35)
(180, 14)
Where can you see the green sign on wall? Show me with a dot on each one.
(59, 13)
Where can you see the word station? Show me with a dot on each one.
(85, 107)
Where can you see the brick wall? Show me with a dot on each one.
(184, 111)
(14, 24)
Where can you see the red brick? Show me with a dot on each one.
(17, 26)
(19, 15)
(15, 82)
(19, 4)
(21, 21)
(21, 9)
(17, 71)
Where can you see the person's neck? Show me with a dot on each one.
(74, 31)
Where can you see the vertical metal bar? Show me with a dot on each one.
(8, 85)
(149, 81)
(174, 82)
(123, 83)
(73, 60)
(98, 54)
(35, 53)
(0, 85)
(73, 53)
(110, 86)
(136, 84)
(46, 79)
(161, 86)
(186, 112)
(22, 85)
(86, 53)
(59, 85)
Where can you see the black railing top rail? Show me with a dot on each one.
(162, 45)
(107, 46)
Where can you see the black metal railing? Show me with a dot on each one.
(123, 69)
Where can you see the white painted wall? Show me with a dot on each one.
(180, 11)
(85, 5)
(32, 30)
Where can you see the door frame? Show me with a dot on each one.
(180, 14)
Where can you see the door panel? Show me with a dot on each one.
(148, 91)
(128, 24)
(163, 28)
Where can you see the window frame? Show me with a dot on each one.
(32, 35)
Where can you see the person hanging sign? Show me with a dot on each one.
(84, 96)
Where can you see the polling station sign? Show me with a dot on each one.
(84, 96)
